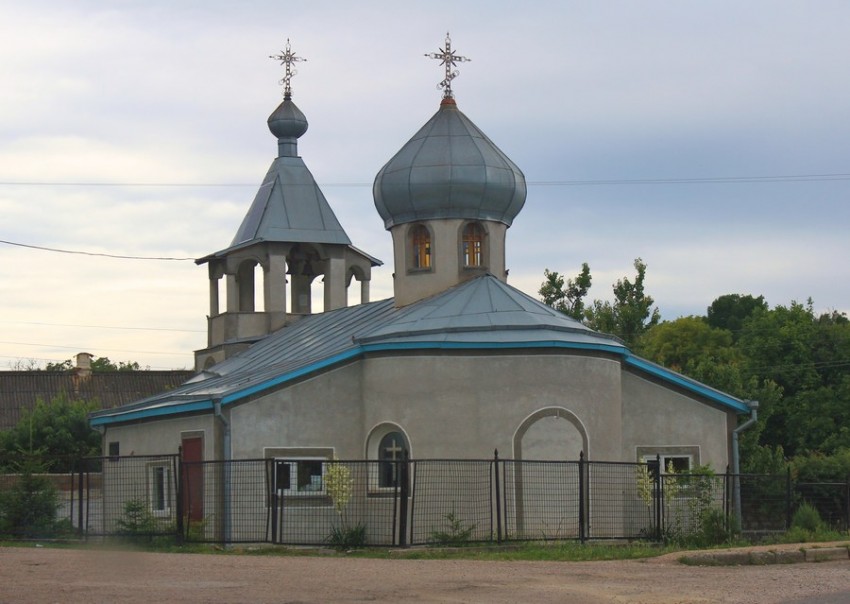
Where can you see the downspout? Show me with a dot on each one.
(736, 463)
(226, 455)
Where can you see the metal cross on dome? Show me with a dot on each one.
(287, 58)
(447, 57)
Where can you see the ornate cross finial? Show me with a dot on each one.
(287, 58)
(447, 57)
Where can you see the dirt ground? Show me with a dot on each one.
(57, 575)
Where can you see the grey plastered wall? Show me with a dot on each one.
(162, 436)
(323, 411)
(466, 405)
(656, 415)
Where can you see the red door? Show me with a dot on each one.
(193, 477)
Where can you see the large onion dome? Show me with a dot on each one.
(449, 169)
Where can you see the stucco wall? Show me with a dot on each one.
(654, 415)
(161, 437)
(466, 406)
(323, 411)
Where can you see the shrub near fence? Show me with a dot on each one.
(349, 503)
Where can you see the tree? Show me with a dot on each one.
(807, 357)
(101, 364)
(631, 313)
(567, 299)
(58, 428)
(687, 342)
(730, 311)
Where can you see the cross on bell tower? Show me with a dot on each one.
(287, 58)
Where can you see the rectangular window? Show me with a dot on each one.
(159, 488)
(670, 464)
(114, 449)
(299, 476)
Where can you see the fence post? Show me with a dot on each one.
(80, 464)
(847, 502)
(403, 478)
(788, 498)
(271, 489)
(582, 511)
(658, 493)
(180, 494)
(498, 497)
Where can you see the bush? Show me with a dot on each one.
(457, 533)
(137, 520)
(807, 518)
(28, 509)
(347, 537)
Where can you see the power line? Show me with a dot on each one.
(78, 348)
(840, 176)
(104, 255)
(105, 326)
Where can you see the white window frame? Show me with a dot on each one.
(665, 456)
(293, 463)
(153, 488)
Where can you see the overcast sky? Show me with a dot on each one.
(708, 138)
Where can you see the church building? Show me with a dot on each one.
(456, 365)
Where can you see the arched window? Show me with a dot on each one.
(421, 239)
(390, 450)
(473, 245)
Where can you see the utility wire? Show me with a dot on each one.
(548, 183)
(105, 326)
(119, 256)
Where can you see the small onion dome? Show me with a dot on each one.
(449, 169)
(287, 121)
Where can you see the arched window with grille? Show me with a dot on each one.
(473, 245)
(420, 238)
(391, 449)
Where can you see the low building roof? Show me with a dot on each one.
(19, 390)
(481, 314)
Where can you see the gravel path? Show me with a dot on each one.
(55, 575)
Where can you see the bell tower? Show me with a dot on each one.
(289, 237)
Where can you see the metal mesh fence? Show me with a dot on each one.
(621, 501)
(391, 503)
(452, 501)
(830, 499)
(766, 502)
(694, 506)
(134, 497)
(541, 500)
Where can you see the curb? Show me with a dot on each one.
(765, 557)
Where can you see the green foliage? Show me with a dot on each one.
(339, 485)
(807, 518)
(456, 531)
(137, 520)
(688, 343)
(56, 429)
(347, 537)
(631, 313)
(805, 355)
(730, 311)
(569, 298)
(693, 518)
(98, 364)
(628, 316)
(817, 467)
(28, 508)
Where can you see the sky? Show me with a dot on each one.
(709, 139)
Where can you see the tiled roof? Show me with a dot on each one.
(19, 390)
